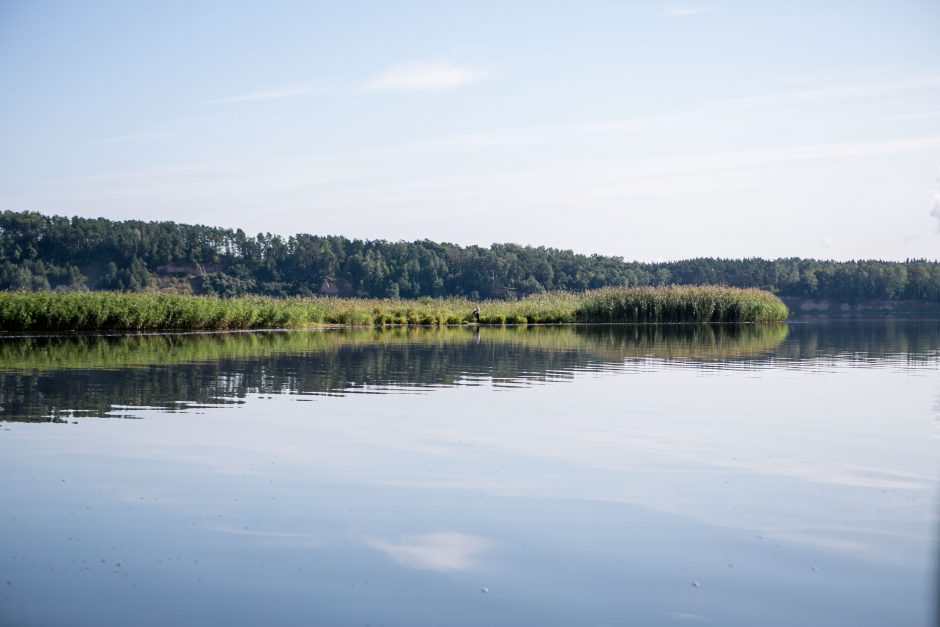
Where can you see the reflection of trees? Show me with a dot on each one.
(55, 377)
(603, 341)
(93, 375)
(910, 341)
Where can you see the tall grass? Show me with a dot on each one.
(88, 311)
(681, 303)
(94, 311)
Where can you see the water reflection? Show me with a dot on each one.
(534, 476)
(444, 551)
(58, 378)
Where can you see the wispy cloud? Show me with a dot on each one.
(578, 182)
(131, 137)
(840, 92)
(169, 129)
(639, 123)
(425, 76)
(688, 616)
(842, 150)
(266, 95)
(846, 90)
(479, 140)
(682, 11)
(935, 195)
(925, 115)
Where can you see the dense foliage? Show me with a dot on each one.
(39, 252)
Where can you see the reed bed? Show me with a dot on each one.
(97, 311)
(681, 303)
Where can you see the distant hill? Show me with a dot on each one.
(39, 252)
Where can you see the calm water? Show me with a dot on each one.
(541, 476)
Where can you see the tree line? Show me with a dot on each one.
(41, 252)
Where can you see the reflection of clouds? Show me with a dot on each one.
(275, 538)
(834, 473)
(688, 616)
(844, 538)
(790, 454)
(444, 551)
(936, 417)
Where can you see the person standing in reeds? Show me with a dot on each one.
(476, 314)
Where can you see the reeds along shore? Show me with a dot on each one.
(96, 311)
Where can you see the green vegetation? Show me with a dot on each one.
(40, 252)
(92, 311)
(681, 304)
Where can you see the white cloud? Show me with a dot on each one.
(479, 140)
(350, 182)
(265, 95)
(682, 11)
(861, 89)
(815, 152)
(425, 76)
(935, 195)
(688, 616)
(131, 137)
(639, 123)
(845, 91)
(443, 551)
(925, 115)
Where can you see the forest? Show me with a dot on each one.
(42, 252)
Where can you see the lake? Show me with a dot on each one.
(602, 475)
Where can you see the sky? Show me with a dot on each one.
(644, 129)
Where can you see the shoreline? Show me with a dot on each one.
(389, 327)
(796, 320)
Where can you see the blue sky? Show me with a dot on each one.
(650, 130)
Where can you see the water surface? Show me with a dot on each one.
(549, 475)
